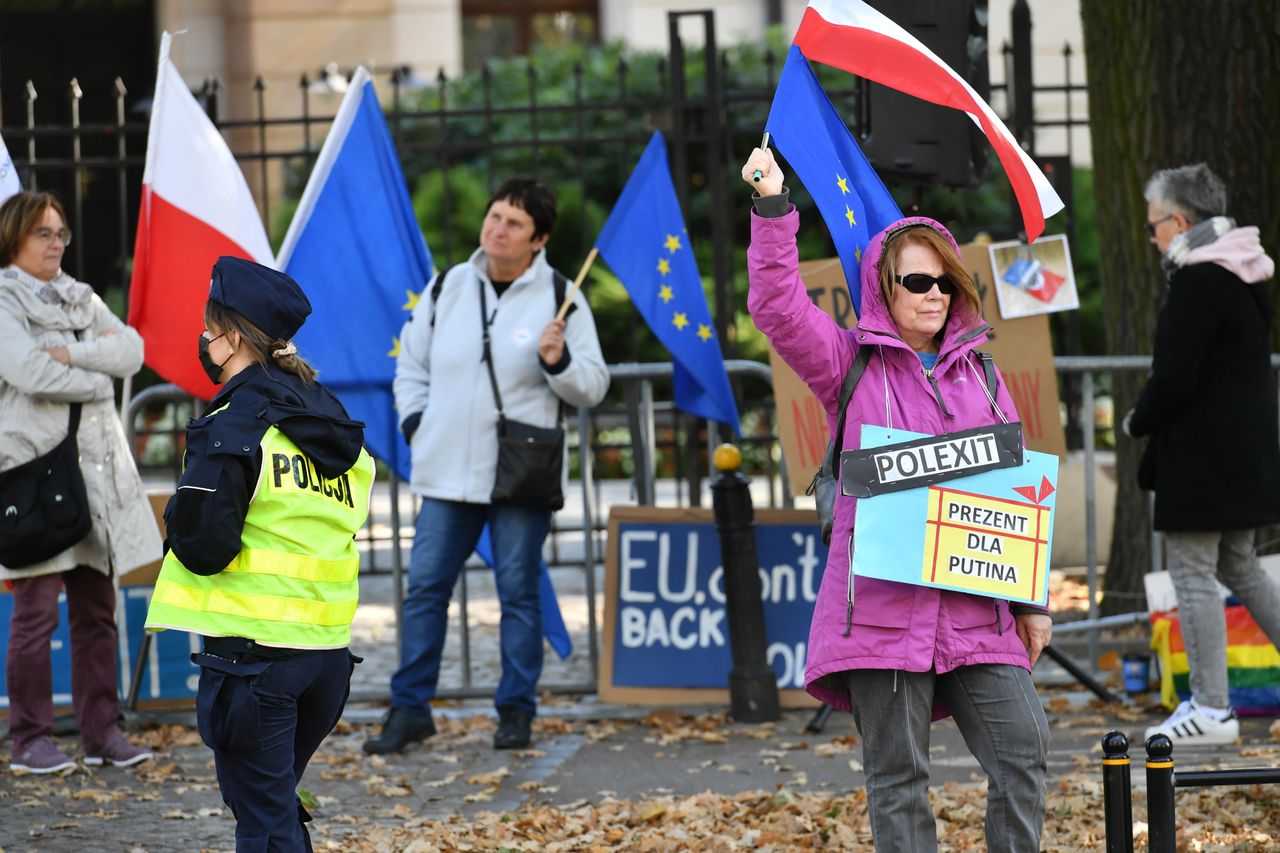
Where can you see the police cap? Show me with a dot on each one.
(267, 298)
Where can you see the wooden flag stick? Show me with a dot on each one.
(577, 283)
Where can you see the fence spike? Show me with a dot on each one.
(76, 92)
(304, 81)
(120, 88)
(31, 91)
(259, 85)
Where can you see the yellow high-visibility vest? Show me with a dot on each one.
(293, 584)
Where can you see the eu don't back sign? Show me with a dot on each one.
(987, 533)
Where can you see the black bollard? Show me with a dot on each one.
(1116, 796)
(1162, 833)
(753, 686)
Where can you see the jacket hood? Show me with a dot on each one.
(964, 325)
(310, 415)
(1239, 251)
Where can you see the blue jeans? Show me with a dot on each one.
(446, 534)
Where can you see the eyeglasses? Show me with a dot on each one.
(919, 283)
(1151, 226)
(46, 235)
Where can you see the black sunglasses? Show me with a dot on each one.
(919, 283)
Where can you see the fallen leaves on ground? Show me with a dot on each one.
(1223, 820)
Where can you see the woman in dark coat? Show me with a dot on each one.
(1213, 457)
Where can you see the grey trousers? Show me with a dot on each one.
(1004, 725)
(1195, 560)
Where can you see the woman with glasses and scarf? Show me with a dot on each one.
(60, 346)
(1209, 407)
(899, 656)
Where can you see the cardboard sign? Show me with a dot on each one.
(1022, 349)
(988, 534)
(874, 471)
(666, 634)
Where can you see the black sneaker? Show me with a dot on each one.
(513, 728)
(402, 728)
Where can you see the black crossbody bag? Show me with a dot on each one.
(530, 458)
(44, 508)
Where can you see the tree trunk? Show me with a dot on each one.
(1170, 85)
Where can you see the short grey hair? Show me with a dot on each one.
(1194, 191)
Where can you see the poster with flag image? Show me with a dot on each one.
(1034, 279)
(196, 207)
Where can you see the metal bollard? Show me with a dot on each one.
(1116, 794)
(1162, 833)
(753, 686)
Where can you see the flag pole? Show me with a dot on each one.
(764, 143)
(577, 282)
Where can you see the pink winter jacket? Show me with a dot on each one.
(894, 625)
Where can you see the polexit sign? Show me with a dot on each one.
(923, 462)
(987, 533)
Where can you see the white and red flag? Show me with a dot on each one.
(852, 36)
(195, 207)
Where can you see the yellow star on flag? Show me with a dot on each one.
(843, 184)
(664, 266)
(672, 243)
(680, 321)
(704, 331)
(412, 301)
(857, 253)
(666, 293)
(848, 214)
(395, 348)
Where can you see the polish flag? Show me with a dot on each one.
(195, 207)
(851, 36)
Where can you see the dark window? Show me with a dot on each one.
(493, 29)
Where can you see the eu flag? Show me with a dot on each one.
(850, 196)
(355, 247)
(646, 245)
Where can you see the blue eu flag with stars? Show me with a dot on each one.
(646, 245)
(355, 247)
(820, 150)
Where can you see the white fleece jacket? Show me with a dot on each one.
(440, 372)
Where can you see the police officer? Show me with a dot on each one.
(262, 561)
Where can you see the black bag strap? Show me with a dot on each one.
(836, 445)
(436, 287)
(488, 356)
(988, 370)
(73, 422)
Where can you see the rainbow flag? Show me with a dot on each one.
(1253, 664)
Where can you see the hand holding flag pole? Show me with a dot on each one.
(764, 143)
(577, 282)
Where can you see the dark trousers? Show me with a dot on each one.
(91, 606)
(264, 719)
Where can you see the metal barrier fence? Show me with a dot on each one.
(642, 418)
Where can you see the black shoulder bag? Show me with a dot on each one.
(530, 458)
(44, 508)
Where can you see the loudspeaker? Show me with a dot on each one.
(913, 141)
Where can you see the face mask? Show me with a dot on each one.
(211, 368)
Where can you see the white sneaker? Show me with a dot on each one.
(1191, 725)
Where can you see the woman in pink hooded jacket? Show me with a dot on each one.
(899, 656)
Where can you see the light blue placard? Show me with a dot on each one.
(988, 534)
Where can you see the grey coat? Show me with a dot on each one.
(35, 396)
